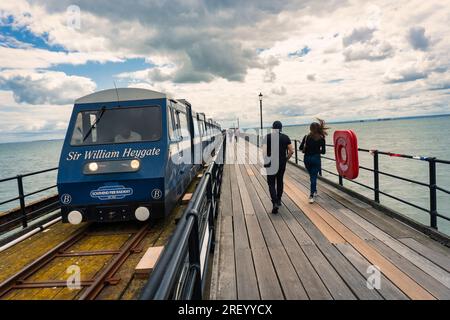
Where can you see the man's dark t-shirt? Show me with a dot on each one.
(284, 141)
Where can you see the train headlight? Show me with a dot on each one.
(142, 213)
(134, 164)
(93, 166)
(75, 217)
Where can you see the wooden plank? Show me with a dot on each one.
(401, 280)
(441, 260)
(247, 285)
(337, 287)
(388, 224)
(268, 284)
(345, 269)
(240, 230)
(387, 289)
(325, 228)
(186, 198)
(415, 258)
(296, 229)
(333, 207)
(341, 292)
(245, 198)
(246, 281)
(433, 286)
(148, 261)
(226, 283)
(287, 274)
(225, 204)
(314, 287)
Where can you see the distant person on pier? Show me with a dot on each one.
(237, 132)
(278, 160)
(313, 145)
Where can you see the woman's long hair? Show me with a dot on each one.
(318, 129)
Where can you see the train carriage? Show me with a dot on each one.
(128, 154)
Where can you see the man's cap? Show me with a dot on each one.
(277, 125)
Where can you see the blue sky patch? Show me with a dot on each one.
(301, 52)
(26, 36)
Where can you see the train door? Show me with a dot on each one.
(185, 145)
(197, 142)
(189, 115)
(175, 153)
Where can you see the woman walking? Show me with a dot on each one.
(313, 145)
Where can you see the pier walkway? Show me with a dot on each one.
(325, 250)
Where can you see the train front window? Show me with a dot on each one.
(118, 125)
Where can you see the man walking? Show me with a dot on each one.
(278, 160)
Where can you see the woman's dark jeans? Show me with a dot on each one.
(313, 165)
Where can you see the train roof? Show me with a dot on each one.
(125, 94)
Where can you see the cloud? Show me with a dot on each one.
(221, 54)
(418, 39)
(409, 73)
(361, 44)
(289, 111)
(281, 91)
(45, 87)
(373, 50)
(358, 35)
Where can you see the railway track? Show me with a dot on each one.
(84, 263)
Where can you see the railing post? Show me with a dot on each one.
(194, 256)
(433, 199)
(22, 201)
(376, 177)
(296, 151)
(341, 181)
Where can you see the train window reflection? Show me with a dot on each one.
(119, 125)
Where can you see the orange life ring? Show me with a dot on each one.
(346, 153)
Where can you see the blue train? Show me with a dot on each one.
(130, 154)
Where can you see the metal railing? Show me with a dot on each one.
(22, 215)
(180, 272)
(431, 185)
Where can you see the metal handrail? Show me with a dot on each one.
(22, 196)
(433, 187)
(183, 251)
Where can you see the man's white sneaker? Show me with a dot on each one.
(311, 199)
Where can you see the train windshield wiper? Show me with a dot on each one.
(94, 124)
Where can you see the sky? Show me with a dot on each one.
(337, 60)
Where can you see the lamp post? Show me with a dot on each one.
(260, 114)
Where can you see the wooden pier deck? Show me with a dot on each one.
(323, 250)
